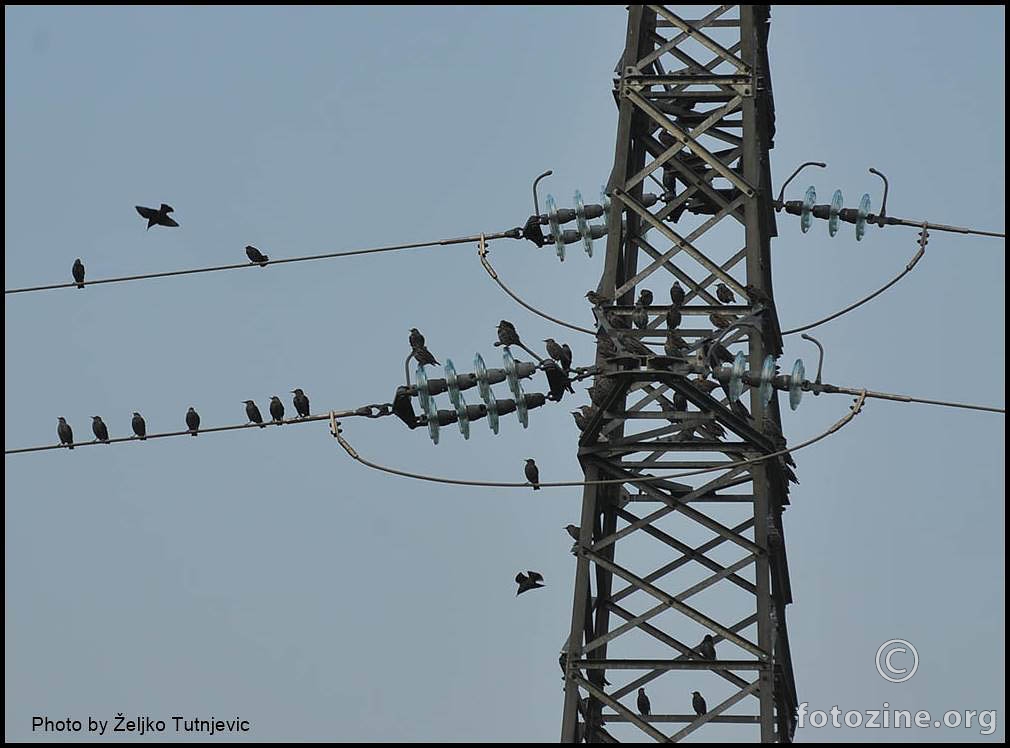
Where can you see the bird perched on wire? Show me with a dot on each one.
(192, 421)
(676, 294)
(700, 707)
(532, 474)
(100, 429)
(157, 217)
(531, 580)
(78, 272)
(707, 648)
(724, 294)
(255, 256)
(253, 413)
(276, 409)
(139, 426)
(645, 297)
(421, 353)
(557, 380)
(597, 299)
(644, 707)
(65, 433)
(301, 402)
(507, 334)
(574, 531)
(673, 318)
(720, 320)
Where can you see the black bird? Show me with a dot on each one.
(640, 317)
(720, 320)
(645, 297)
(566, 357)
(597, 299)
(192, 421)
(707, 647)
(533, 474)
(66, 433)
(557, 380)
(78, 271)
(573, 530)
(157, 217)
(301, 401)
(555, 351)
(581, 419)
(673, 318)
(253, 413)
(605, 344)
(676, 294)
(724, 294)
(644, 707)
(679, 402)
(256, 256)
(416, 338)
(507, 334)
(276, 409)
(100, 429)
(533, 232)
(139, 426)
(700, 707)
(423, 356)
(600, 392)
(756, 295)
(531, 580)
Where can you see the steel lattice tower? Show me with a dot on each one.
(695, 106)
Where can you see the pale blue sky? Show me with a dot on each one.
(262, 574)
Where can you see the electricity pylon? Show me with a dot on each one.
(675, 559)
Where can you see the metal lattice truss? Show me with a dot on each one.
(699, 555)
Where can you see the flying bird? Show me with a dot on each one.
(531, 580)
(573, 530)
(139, 426)
(707, 647)
(700, 707)
(65, 433)
(253, 413)
(255, 256)
(276, 409)
(157, 217)
(645, 297)
(644, 707)
(533, 474)
(720, 320)
(100, 429)
(507, 334)
(301, 401)
(192, 421)
(78, 271)
(676, 294)
(724, 294)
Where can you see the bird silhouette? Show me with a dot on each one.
(531, 580)
(192, 421)
(533, 474)
(416, 338)
(724, 294)
(256, 256)
(644, 707)
(566, 357)
(78, 271)
(645, 297)
(253, 413)
(640, 317)
(561, 354)
(100, 429)
(698, 702)
(65, 433)
(139, 426)
(673, 318)
(276, 409)
(301, 402)
(676, 294)
(707, 647)
(421, 354)
(157, 217)
(507, 334)
(573, 530)
(557, 380)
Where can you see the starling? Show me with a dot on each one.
(416, 338)
(640, 317)
(597, 299)
(533, 474)
(531, 580)
(707, 648)
(718, 352)
(157, 217)
(604, 344)
(253, 413)
(645, 297)
(644, 707)
(674, 344)
(555, 351)
(635, 346)
(423, 356)
(566, 357)
(507, 334)
(704, 385)
(192, 421)
(676, 294)
(276, 409)
(574, 531)
(756, 295)
(139, 426)
(673, 318)
(580, 420)
(66, 433)
(724, 294)
(720, 320)
(557, 380)
(600, 392)
(100, 429)
(255, 256)
(78, 271)
(679, 402)
(301, 402)
(700, 707)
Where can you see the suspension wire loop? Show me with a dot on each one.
(368, 411)
(511, 234)
(908, 269)
(853, 411)
(482, 254)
